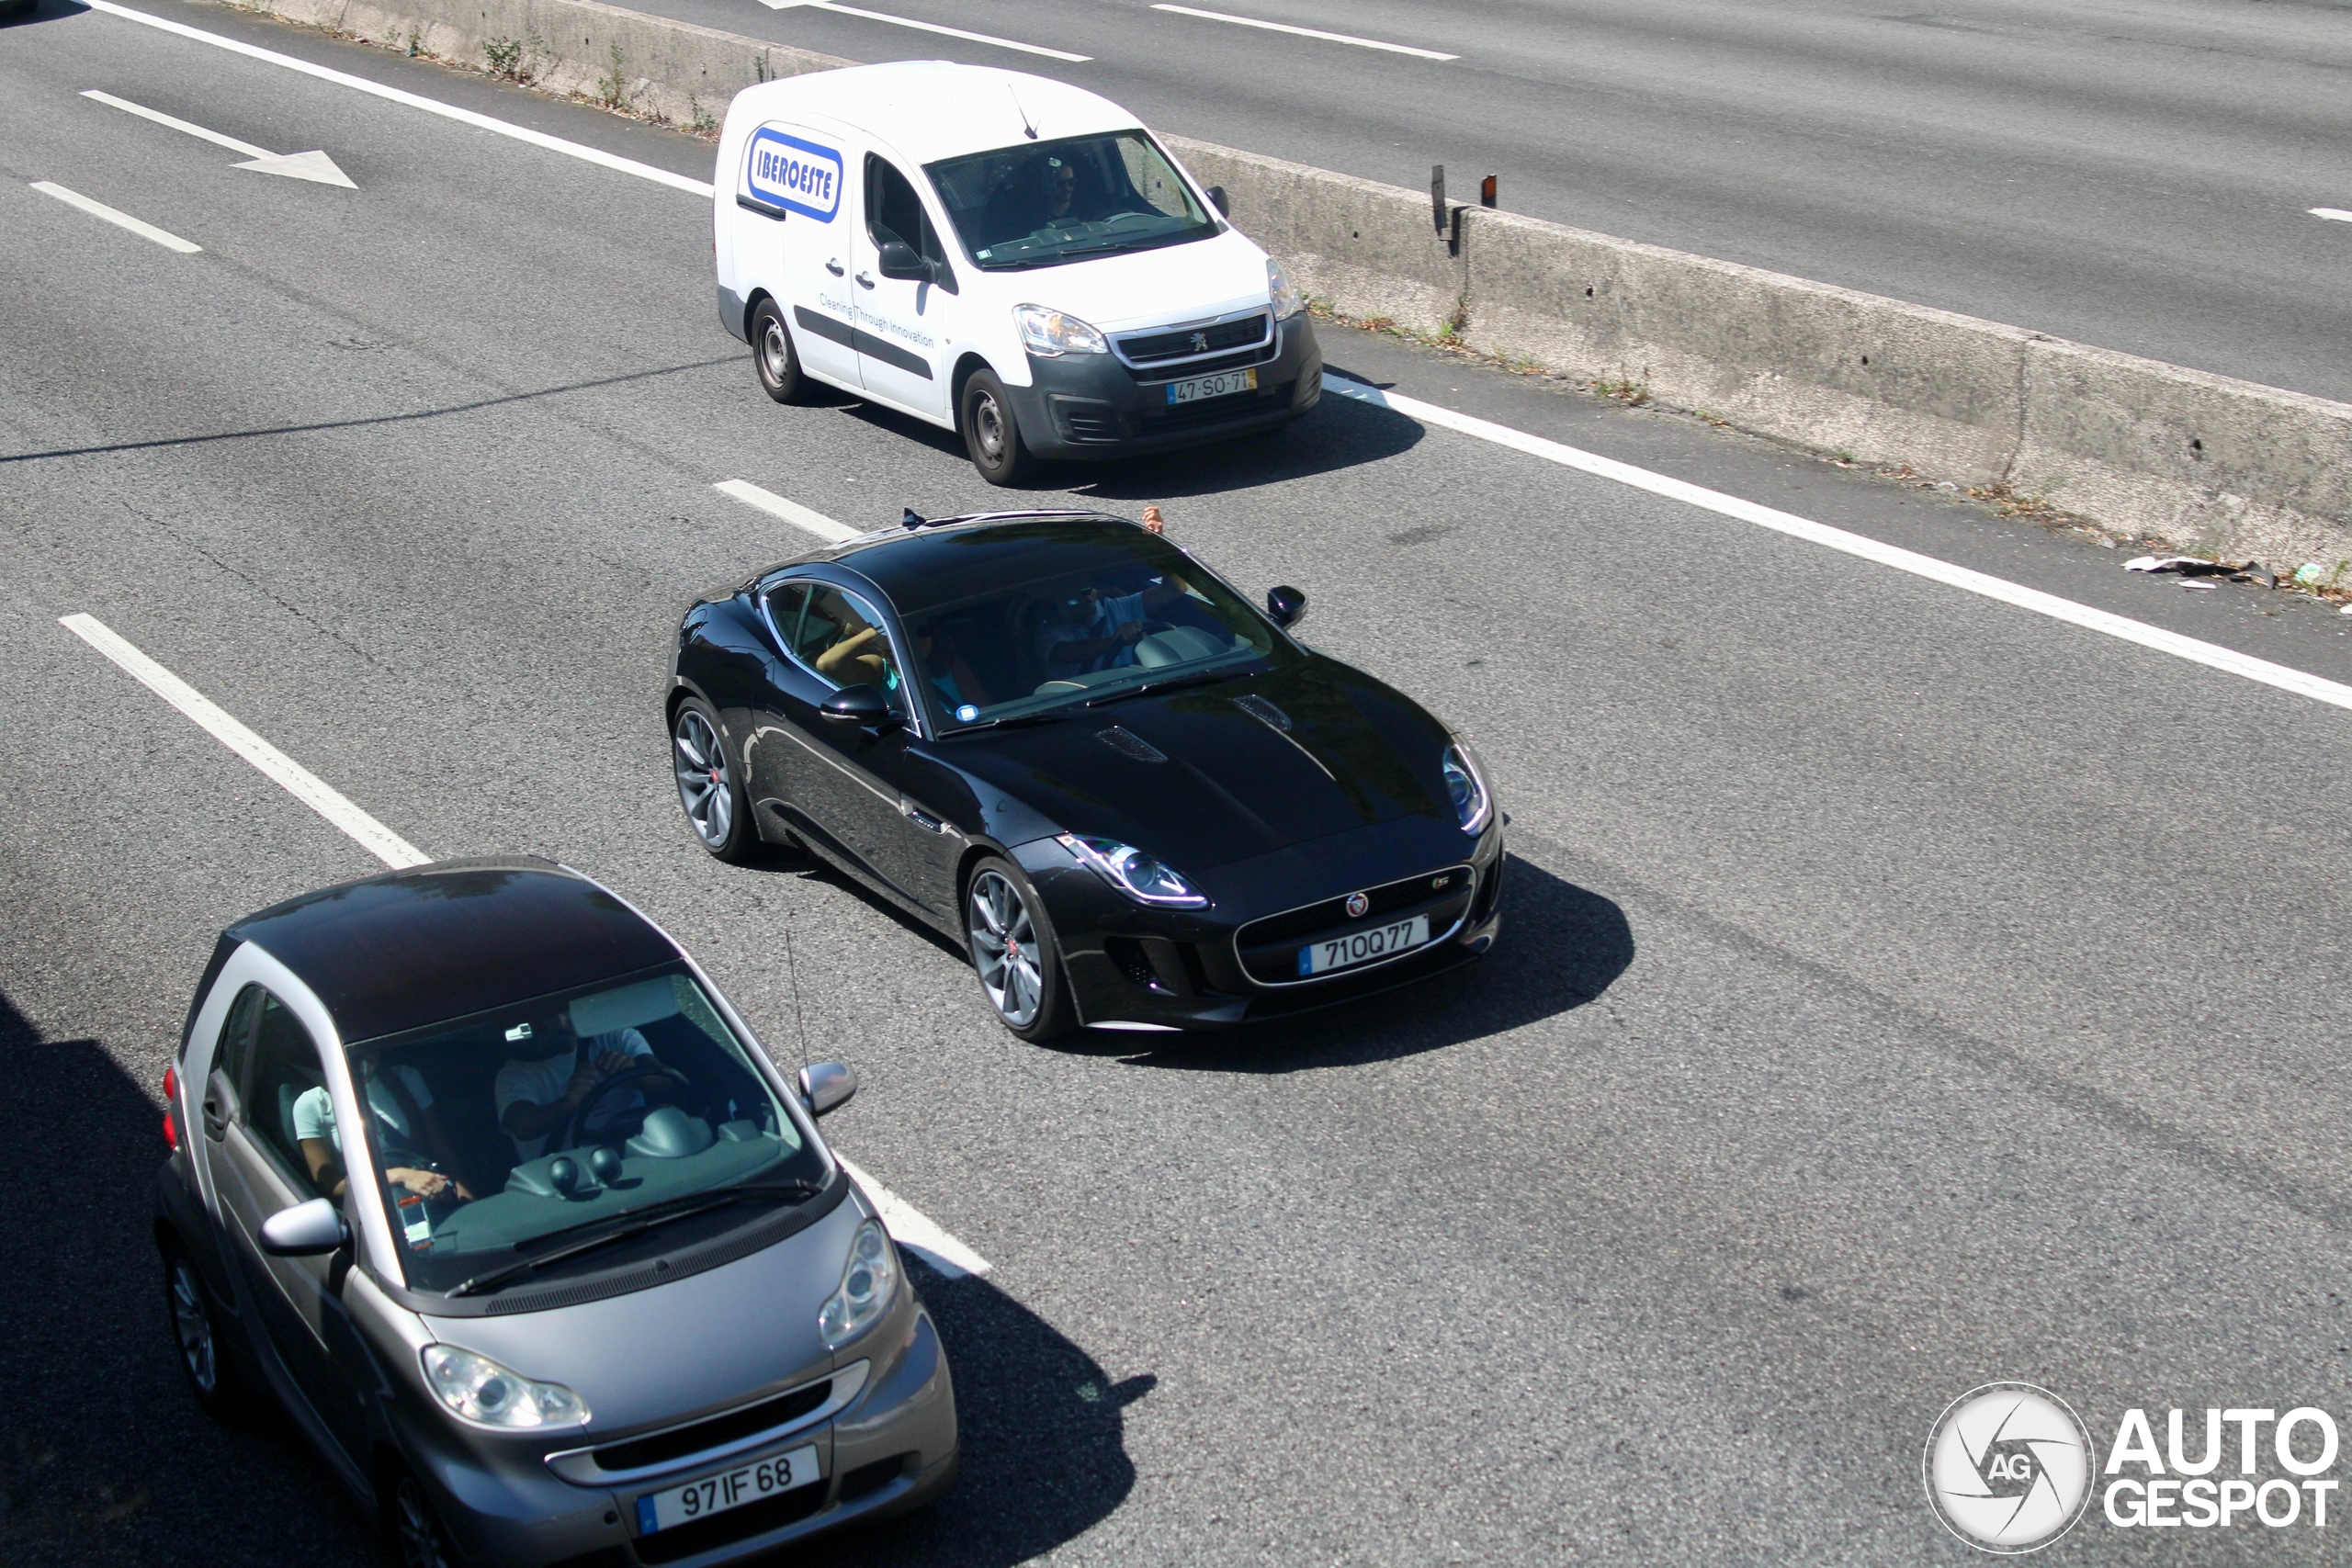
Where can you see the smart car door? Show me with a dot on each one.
(798, 171)
(258, 1170)
(906, 324)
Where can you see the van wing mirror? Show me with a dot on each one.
(1285, 606)
(898, 259)
(306, 1230)
(827, 1085)
(1217, 199)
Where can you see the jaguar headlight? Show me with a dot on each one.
(479, 1390)
(1472, 803)
(869, 1280)
(1049, 333)
(1133, 872)
(1287, 300)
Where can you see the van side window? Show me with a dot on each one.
(893, 211)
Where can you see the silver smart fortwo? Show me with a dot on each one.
(478, 1174)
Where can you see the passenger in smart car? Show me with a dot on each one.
(405, 1121)
(550, 1074)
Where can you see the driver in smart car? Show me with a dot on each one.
(550, 1073)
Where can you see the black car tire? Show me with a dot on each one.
(414, 1536)
(709, 792)
(992, 432)
(773, 360)
(205, 1357)
(1030, 998)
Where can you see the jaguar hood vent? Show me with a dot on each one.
(1259, 708)
(1127, 743)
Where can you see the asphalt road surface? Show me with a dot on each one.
(2135, 176)
(1900, 990)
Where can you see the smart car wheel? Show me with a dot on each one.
(990, 432)
(772, 355)
(211, 1375)
(707, 787)
(1012, 948)
(417, 1534)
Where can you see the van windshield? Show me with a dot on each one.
(1050, 202)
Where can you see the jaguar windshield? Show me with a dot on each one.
(1056, 201)
(565, 1116)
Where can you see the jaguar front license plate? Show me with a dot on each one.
(716, 1494)
(1362, 947)
(1201, 387)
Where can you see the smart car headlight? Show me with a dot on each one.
(869, 1280)
(1132, 871)
(1049, 333)
(479, 1390)
(1472, 803)
(1288, 302)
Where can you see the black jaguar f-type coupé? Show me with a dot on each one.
(1136, 799)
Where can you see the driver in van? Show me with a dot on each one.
(549, 1075)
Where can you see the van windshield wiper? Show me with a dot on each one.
(635, 1222)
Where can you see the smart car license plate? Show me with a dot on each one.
(716, 1494)
(1362, 947)
(1201, 387)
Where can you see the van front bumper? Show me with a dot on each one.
(1094, 405)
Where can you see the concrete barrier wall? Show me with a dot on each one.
(2198, 459)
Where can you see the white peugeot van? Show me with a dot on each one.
(1002, 255)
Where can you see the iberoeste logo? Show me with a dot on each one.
(2008, 1467)
(793, 173)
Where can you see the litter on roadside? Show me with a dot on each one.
(2193, 565)
(2310, 572)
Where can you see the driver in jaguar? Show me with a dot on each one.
(549, 1075)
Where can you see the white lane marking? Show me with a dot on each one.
(792, 512)
(300, 782)
(2336, 214)
(431, 106)
(912, 1229)
(1307, 33)
(314, 166)
(145, 231)
(2195, 650)
(924, 27)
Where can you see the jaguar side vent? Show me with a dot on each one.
(1265, 712)
(1127, 743)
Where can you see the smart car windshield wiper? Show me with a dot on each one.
(634, 1223)
(1172, 683)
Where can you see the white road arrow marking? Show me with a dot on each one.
(314, 166)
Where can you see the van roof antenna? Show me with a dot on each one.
(1019, 108)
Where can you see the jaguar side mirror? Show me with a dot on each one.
(306, 1230)
(1217, 199)
(827, 1085)
(862, 703)
(1285, 606)
(898, 259)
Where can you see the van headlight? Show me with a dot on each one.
(869, 1280)
(1049, 333)
(1287, 300)
(1139, 876)
(1472, 803)
(477, 1389)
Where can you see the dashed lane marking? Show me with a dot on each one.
(145, 231)
(2334, 214)
(1307, 33)
(792, 512)
(925, 26)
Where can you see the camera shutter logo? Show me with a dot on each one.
(2008, 1467)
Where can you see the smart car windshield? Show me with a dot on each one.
(1048, 615)
(494, 1134)
(1046, 203)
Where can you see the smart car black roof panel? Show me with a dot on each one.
(394, 953)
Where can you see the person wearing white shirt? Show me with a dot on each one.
(537, 1094)
(399, 1141)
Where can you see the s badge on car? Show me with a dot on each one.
(1357, 904)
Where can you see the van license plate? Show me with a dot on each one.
(716, 1494)
(1202, 387)
(1362, 947)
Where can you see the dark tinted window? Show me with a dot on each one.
(284, 1068)
(235, 1057)
(893, 211)
(783, 604)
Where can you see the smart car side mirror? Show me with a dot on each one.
(827, 1085)
(306, 1230)
(898, 259)
(1285, 606)
(862, 703)
(1217, 199)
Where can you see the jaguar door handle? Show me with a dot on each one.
(865, 280)
(833, 266)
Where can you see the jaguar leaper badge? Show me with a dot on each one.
(1357, 904)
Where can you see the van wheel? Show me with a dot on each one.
(773, 358)
(990, 432)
